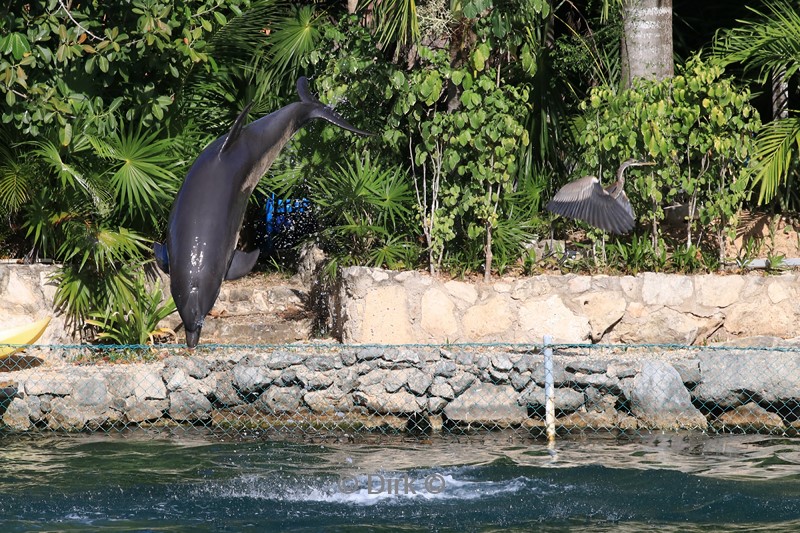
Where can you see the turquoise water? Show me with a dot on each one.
(142, 482)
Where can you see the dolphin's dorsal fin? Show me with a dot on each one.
(304, 91)
(236, 129)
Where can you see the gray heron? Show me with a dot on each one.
(606, 208)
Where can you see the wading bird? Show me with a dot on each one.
(606, 208)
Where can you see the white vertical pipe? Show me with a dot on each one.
(549, 391)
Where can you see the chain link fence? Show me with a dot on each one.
(324, 390)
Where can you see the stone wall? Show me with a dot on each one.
(315, 389)
(379, 306)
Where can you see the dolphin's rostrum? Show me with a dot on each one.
(204, 224)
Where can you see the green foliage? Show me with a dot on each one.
(697, 127)
(365, 211)
(135, 316)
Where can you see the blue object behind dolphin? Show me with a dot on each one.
(204, 224)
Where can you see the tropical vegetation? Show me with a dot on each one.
(481, 109)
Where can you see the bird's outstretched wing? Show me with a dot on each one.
(584, 199)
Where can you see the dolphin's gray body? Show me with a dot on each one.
(204, 224)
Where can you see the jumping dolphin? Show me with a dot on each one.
(204, 224)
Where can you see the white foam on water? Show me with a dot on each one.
(368, 489)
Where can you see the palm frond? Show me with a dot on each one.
(772, 42)
(776, 156)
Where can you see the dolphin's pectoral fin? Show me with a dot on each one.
(162, 257)
(241, 264)
(236, 129)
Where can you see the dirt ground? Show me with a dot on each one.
(769, 234)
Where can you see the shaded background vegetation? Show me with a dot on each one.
(483, 108)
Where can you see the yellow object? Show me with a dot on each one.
(21, 335)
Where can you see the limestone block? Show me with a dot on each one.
(385, 318)
(718, 291)
(465, 292)
(145, 410)
(551, 317)
(437, 315)
(760, 317)
(603, 309)
(488, 320)
(666, 289)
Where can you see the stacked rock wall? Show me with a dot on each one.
(333, 387)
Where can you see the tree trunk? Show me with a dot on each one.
(351, 6)
(780, 94)
(646, 40)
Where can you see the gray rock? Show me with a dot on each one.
(689, 370)
(91, 391)
(368, 353)
(376, 399)
(502, 363)
(418, 381)
(560, 375)
(465, 358)
(148, 385)
(280, 360)
(587, 366)
(442, 389)
(314, 380)
(660, 400)
(600, 381)
(622, 370)
(348, 357)
(399, 358)
(520, 380)
(278, 400)
(145, 410)
(730, 379)
(482, 362)
(487, 404)
(328, 400)
(225, 393)
(564, 399)
(461, 381)
(321, 363)
(66, 414)
(250, 379)
(188, 406)
(496, 376)
(54, 384)
(526, 363)
(194, 366)
(18, 415)
(445, 368)
(436, 404)
(428, 355)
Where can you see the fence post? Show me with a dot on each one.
(549, 390)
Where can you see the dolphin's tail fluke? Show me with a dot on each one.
(322, 111)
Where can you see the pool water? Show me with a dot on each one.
(494, 482)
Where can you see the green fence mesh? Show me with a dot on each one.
(324, 389)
